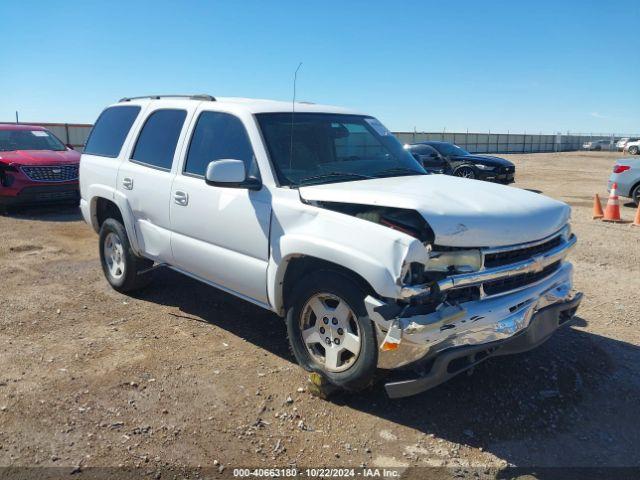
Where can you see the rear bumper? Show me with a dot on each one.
(625, 182)
(437, 369)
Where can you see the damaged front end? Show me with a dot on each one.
(462, 305)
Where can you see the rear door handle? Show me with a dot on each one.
(181, 198)
(127, 183)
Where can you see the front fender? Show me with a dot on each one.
(374, 252)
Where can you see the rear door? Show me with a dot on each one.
(146, 174)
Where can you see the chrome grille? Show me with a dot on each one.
(512, 283)
(54, 173)
(506, 257)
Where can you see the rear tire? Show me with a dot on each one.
(329, 331)
(635, 195)
(121, 266)
(633, 150)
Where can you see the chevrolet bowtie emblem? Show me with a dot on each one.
(538, 264)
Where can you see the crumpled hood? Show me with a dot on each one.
(40, 157)
(461, 212)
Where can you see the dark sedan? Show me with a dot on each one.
(443, 157)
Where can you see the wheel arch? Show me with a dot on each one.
(298, 266)
(103, 207)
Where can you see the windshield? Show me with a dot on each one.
(449, 149)
(327, 148)
(29, 140)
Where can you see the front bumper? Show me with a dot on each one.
(454, 361)
(498, 177)
(416, 331)
(41, 194)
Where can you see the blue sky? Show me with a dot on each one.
(519, 66)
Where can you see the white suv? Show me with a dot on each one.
(318, 214)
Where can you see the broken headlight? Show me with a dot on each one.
(460, 261)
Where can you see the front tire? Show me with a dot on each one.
(465, 172)
(121, 266)
(633, 150)
(329, 331)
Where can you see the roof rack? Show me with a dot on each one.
(202, 96)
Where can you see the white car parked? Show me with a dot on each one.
(319, 215)
(622, 143)
(632, 147)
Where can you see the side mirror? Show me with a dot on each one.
(231, 174)
(69, 146)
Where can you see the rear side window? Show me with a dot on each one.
(218, 136)
(157, 142)
(110, 131)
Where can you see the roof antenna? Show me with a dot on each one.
(293, 111)
(17, 121)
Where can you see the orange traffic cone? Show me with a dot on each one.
(636, 222)
(597, 207)
(612, 210)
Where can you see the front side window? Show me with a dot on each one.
(308, 148)
(110, 131)
(11, 140)
(157, 142)
(219, 136)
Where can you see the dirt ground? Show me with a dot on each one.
(185, 376)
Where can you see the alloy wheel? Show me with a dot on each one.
(114, 255)
(330, 332)
(465, 172)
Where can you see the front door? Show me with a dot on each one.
(221, 234)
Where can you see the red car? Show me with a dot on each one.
(36, 167)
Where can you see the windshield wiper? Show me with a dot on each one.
(399, 170)
(324, 176)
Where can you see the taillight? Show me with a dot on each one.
(620, 168)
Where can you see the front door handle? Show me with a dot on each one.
(127, 183)
(181, 198)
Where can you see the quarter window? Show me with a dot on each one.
(110, 131)
(219, 136)
(157, 142)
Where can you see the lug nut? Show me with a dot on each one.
(321, 329)
(337, 341)
(334, 321)
(327, 341)
(340, 331)
(325, 320)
